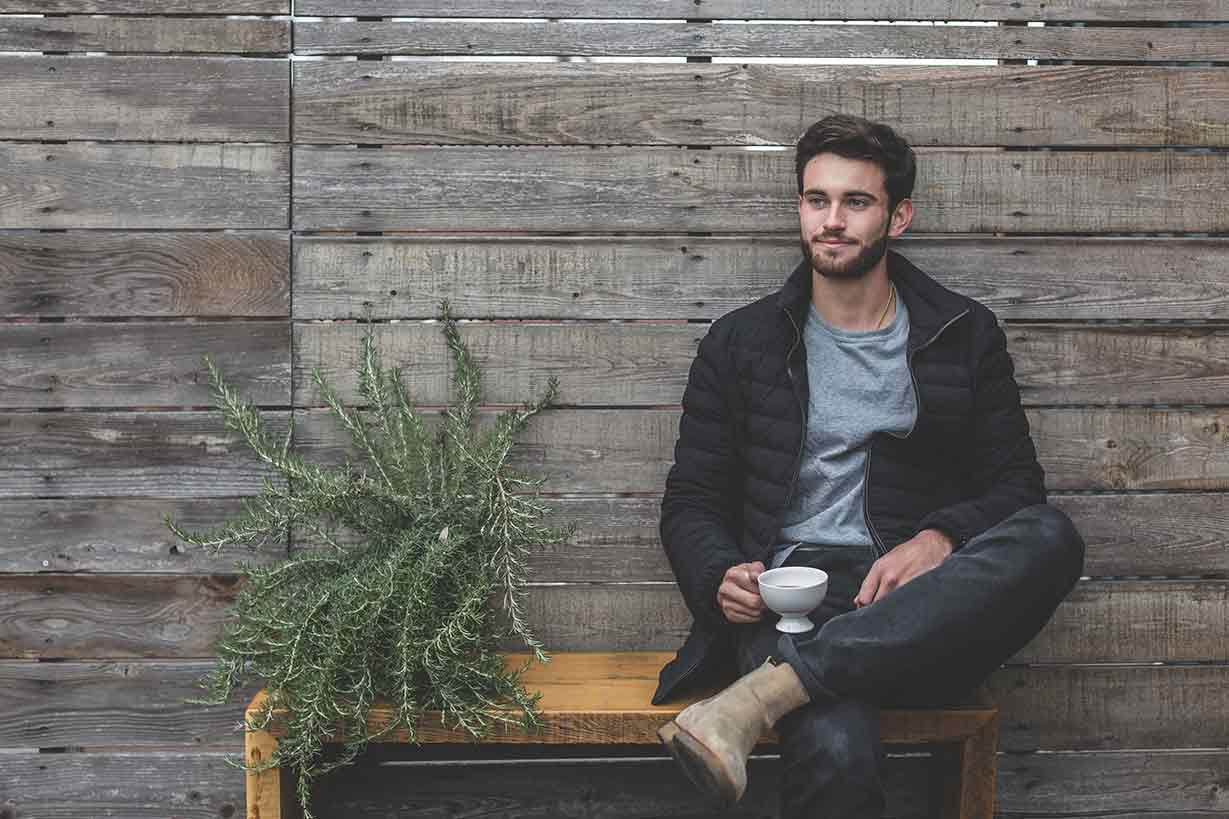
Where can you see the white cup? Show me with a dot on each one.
(793, 592)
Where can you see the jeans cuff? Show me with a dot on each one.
(788, 652)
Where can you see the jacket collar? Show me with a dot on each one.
(930, 304)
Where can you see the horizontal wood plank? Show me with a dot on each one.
(115, 454)
(166, 7)
(139, 704)
(851, 41)
(1100, 621)
(1111, 10)
(1155, 535)
(1085, 707)
(113, 364)
(147, 34)
(670, 190)
(1151, 535)
(704, 277)
(181, 616)
(464, 103)
(134, 703)
(113, 616)
(134, 275)
(180, 783)
(121, 535)
(647, 364)
(176, 454)
(182, 99)
(630, 450)
(100, 185)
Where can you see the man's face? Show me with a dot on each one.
(843, 215)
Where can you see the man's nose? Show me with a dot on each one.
(834, 219)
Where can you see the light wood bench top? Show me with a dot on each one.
(604, 697)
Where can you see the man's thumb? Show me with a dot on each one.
(756, 568)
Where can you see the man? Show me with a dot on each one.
(863, 420)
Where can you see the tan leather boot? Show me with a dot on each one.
(712, 738)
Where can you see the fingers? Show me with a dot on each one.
(738, 596)
(868, 593)
(746, 576)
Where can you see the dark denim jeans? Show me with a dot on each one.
(928, 642)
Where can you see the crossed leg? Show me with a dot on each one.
(946, 630)
(927, 642)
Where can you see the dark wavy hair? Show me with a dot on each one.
(857, 138)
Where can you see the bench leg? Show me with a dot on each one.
(969, 774)
(270, 793)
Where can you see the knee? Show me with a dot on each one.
(1058, 539)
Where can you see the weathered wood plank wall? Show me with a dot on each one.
(195, 189)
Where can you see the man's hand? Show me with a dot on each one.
(739, 593)
(918, 555)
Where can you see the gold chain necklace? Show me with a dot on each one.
(891, 299)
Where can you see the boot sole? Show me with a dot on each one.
(698, 762)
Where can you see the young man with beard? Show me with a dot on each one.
(863, 420)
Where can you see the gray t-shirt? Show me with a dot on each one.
(859, 385)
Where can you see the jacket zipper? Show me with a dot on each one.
(880, 548)
(789, 371)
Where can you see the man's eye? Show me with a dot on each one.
(859, 202)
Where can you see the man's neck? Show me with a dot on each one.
(856, 305)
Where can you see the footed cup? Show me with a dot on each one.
(793, 592)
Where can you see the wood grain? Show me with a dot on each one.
(121, 535)
(139, 704)
(1178, 535)
(646, 364)
(1112, 10)
(114, 454)
(181, 98)
(603, 698)
(1086, 707)
(181, 616)
(166, 7)
(97, 185)
(175, 454)
(660, 190)
(149, 34)
(134, 704)
(704, 277)
(850, 41)
(631, 450)
(753, 104)
(135, 275)
(83, 364)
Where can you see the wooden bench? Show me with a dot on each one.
(603, 698)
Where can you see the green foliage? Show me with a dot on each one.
(412, 613)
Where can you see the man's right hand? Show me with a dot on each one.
(738, 596)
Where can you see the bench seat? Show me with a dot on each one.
(604, 698)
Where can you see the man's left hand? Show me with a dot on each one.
(918, 555)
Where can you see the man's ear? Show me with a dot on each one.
(901, 218)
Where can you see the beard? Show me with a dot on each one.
(855, 267)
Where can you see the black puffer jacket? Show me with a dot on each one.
(968, 463)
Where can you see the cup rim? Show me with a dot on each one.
(810, 575)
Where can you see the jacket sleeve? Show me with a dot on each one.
(699, 509)
(1001, 460)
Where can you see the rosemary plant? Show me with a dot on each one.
(409, 612)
